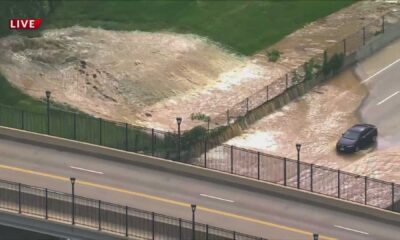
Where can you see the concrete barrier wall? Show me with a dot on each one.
(53, 228)
(202, 173)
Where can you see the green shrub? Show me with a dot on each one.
(273, 55)
(199, 116)
(333, 64)
(195, 135)
(311, 67)
(336, 62)
(295, 77)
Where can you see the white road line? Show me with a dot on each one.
(217, 198)
(350, 229)
(86, 170)
(383, 69)
(384, 100)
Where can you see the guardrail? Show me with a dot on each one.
(103, 216)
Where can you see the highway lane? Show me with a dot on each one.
(155, 190)
(382, 106)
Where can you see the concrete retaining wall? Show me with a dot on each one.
(202, 173)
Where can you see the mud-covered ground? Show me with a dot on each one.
(151, 78)
(318, 119)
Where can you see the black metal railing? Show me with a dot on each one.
(197, 150)
(103, 216)
(312, 177)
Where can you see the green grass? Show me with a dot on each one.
(244, 26)
(12, 96)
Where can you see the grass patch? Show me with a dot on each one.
(273, 55)
(12, 96)
(200, 116)
(243, 26)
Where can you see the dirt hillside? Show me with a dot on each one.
(150, 78)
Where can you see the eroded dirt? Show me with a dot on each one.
(150, 78)
(112, 74)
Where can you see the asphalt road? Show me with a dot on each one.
(382, 105)
(9, 233)
(220, 205)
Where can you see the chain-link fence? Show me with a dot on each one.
(317, 67)
(103, 216)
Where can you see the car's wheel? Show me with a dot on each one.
(357, 149)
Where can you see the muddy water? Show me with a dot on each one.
(318, 119)
(383, 163)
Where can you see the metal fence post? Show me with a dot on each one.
(247, 105)
(227, 117)
(298, 173)
(392, 196)
(383, 24)
(180, 229)
(22, 120)
(234, 235)
(363, 29)
(99, 216)
(267, 93)
(312, 178)
(153, 225)
(284, 171)
(136, 143)
(338, 183)
(205, 153)
(232, 159)
(100, 133)
(48, 116)
(344, 46)
(152, 142)
(74, 126)
(286, 80)
(19, 198)
(365, 190)
(47, 204)
(206, 231)
(126, 221)
(258, 165)
(126, 136)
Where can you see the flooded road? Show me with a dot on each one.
(318, 119)
(382, 105)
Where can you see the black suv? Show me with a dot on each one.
(357, 137)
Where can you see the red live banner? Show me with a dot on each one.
(24, 24)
